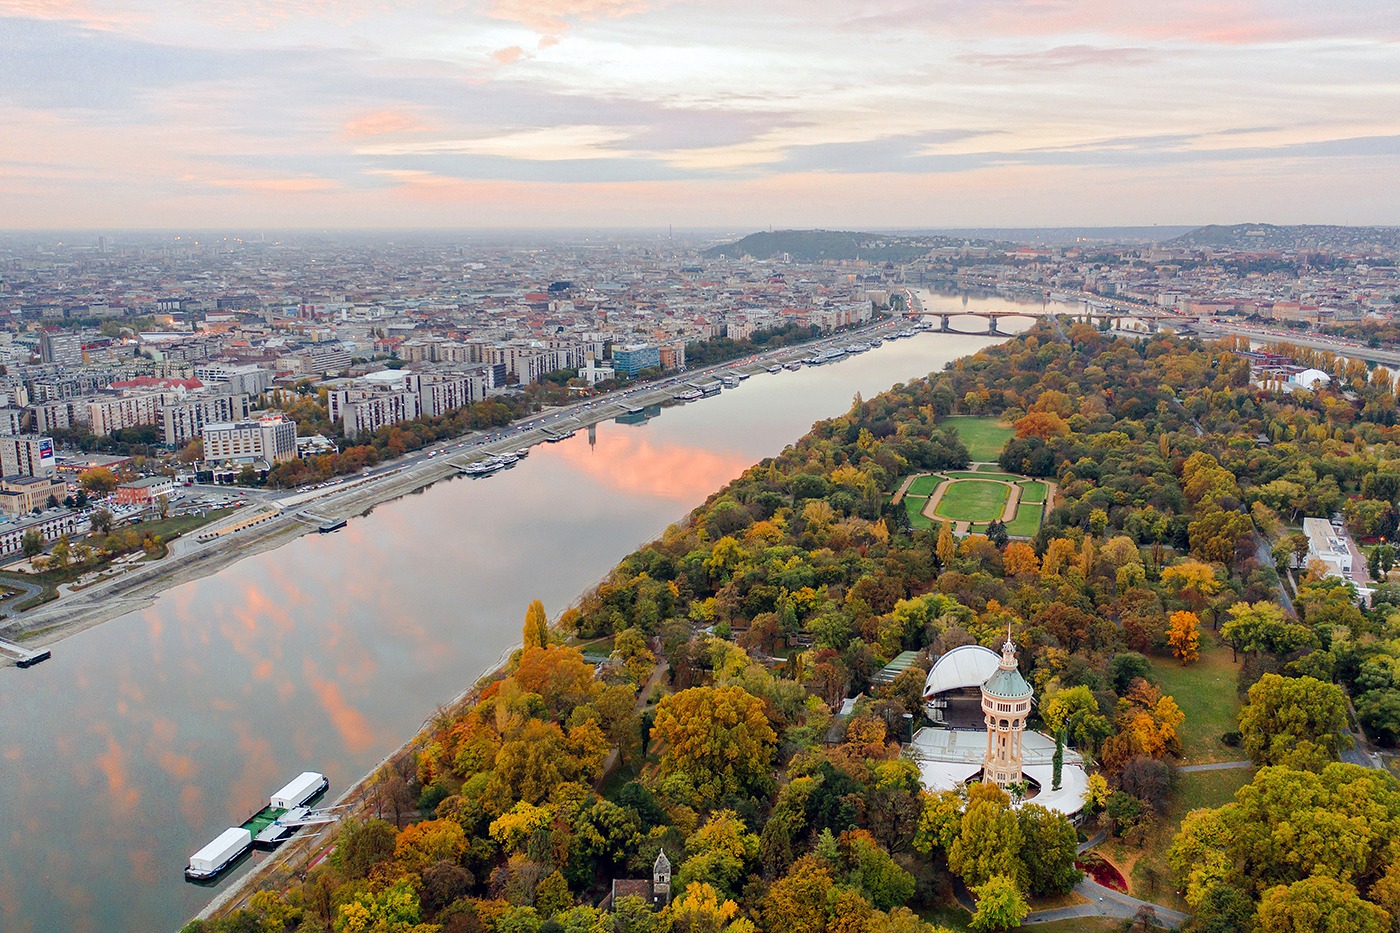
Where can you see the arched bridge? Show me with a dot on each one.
(1152, 319)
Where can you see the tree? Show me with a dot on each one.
(1319, 905)
(1184, 635)
(1000, 905)
(701, 909)
(1294, 721)
(32, 543)
(1262, 626)
(947, 546)
(1192, 580)
(1050, 848)
(536, 626)
(718, 737)
(796, 903)
(99, 481)
(989, 840)
(101, 521)
(1018, 558)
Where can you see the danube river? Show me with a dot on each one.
(145, 736)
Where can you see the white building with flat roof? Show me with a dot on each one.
(1329, 543)
(272, 439)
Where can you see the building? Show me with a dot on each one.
(106, 415)
(20, 495)
(978, 702)
(1310, 379)
(380, 399)
(1006, 702)
(634, 358)
(50, 527)
(271, 439)
(181, 422)
(61, 348)
(145, 491)
(237, 380)
(27, 455)
(656, 892)
(1329, 543)
(11, 420)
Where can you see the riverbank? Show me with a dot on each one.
(191, 560)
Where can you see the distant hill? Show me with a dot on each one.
(816, 245)
(1295, 237)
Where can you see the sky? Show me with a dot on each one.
(702, 113)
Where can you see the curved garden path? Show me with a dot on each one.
(1008, 512)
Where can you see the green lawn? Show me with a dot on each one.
(984, 437)
(1027, 520)
(924, 485)
(983, 473)
(1148, 872)
(1205, 691)
(1033, 492)
(914, 508)
(972, 501)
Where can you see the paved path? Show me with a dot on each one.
(1106, 902)
(1008, 512)
(1217, 766)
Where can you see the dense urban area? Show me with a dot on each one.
(1097, 629)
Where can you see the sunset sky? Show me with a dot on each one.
(883, 113)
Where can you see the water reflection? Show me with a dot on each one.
(144, 737)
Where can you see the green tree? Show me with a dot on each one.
(1294, 721)
(536, 626)
(101, 521)
(989, 840)
(1000, 905)
(1050, 846)
(32, 543)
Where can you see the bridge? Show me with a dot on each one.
(1115, 316)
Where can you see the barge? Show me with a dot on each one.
(287, 811)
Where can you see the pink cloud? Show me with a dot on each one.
(552, 17)
(385, 122)
(508, 55)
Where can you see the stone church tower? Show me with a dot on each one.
(661, 879)
(1006, 702)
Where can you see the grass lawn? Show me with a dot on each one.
(972, 501)
(1033, 492)
(984, 437)
(1027, 520)
(1079, 925)
(914, 508)
(1205, 691)
(983, 474)
(923, 485)
(1148, 873)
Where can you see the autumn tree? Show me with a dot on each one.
(1000, 905)
(99, 481)
(947, 546)
(718, 737)
(1018, 558)
(1294, 721)
(1319, 905)
(1184, 635)
(536, 626)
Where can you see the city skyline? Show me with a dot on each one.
(596, 113)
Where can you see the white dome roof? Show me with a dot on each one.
(965, 666)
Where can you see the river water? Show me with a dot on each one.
(142, 738)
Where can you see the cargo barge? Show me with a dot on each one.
(287, 811)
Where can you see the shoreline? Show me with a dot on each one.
(138, 588)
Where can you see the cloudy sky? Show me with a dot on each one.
(492, 113)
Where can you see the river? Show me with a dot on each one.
(144, 737)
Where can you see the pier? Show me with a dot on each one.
(23, 657)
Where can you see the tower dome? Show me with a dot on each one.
(1006, 702)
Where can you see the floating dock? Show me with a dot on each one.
(287, 811)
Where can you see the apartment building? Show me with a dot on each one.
(272, 438)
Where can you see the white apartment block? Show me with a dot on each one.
(106, 415)
(183, 421)
(272, 438)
